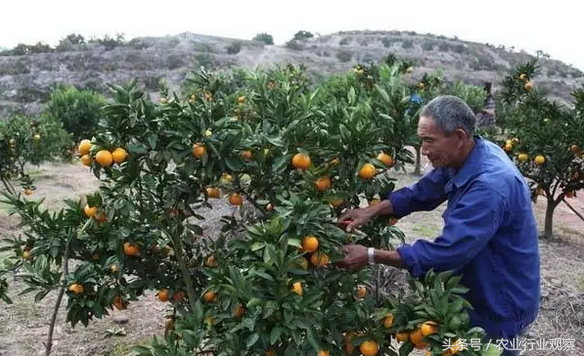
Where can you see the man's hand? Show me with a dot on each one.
(355, 218)
(356, 257)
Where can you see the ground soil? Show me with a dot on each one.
(25, 323)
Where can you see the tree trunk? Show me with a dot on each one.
(549, 219)
(418, 169)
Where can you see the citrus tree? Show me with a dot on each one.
(289, 159)
(544, 140)
(26, 141)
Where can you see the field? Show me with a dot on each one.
(25, 323)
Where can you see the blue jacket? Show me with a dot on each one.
(489, 236)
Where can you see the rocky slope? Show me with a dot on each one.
(26, 80)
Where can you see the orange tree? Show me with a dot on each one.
(28, 141)
(544, 139)
(290, 159)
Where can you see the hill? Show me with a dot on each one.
(28, 73)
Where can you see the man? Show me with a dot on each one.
(487, 114)
(490, 233)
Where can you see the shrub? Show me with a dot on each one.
(78, 110)
(265, 38)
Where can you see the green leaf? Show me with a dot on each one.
(275, 334)
(251, 340)
(141, 351)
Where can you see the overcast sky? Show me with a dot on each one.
(551, 26)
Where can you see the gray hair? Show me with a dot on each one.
(450, 113)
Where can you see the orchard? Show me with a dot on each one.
(289, 156)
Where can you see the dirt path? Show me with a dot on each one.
(25, 323)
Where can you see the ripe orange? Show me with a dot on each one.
(213, 192)
(210, 262)
(369, 348)
(210, 297)
(26, 255)
(119, 303)
(402, 336)
(508, 147)
(86, 160)
(90, 211)
(385, 159)
(199, 150)
(241, 100)
(323, 183)
(163, 295)
(130, 249)
(388, 321)
(421, 85)
(429, 327)
(27, 191)
(323, 353)
(119, 155)
(522, 157)
(319, 259)
(528, 86)
(301, 161)
(416, 336)
(297, 288)
(104, 158)
(239, 310)
(84, 147)
(76, 288)
(309, 243)
(367, 171)
(361, 291)
(523, 76)
(235, 199)
(539, 159)
(247, 155)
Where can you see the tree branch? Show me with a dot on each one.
(574, 210)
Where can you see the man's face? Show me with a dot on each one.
(441, 150)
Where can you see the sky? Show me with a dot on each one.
(551, 26)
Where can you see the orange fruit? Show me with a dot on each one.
(388, 321)
(235, 199)
(90, 211)
(37, 137)
(297, 288)
(369, 348)
(416, 336)
(119, 155)
(84, 147)
(76, 288)
(213, 192)
(528, 86)
(539, 159)
(114, 268)
(309, 244)
(522, 157)
(104, 158)
(86, 160)
(247, 155)
(270, 353)
(323, 183)
(323, 353)
(508, 147)
(210, 297)
(337, 202)
(163, 295)
(241, 100)
(27, 191)
(210, 262)
(367, 171)
(130, 249)
(100, 217)
(301, 161)
(26, 255)
(319, 259)
(361, 291)
(429, 328)
(402, 336)
(119, 303)
(523, 76)
(239, 310)
(199, 150)
(385, 159)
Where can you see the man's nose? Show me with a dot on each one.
(425, 150)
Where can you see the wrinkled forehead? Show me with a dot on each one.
(427, 127)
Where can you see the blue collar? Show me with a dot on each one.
(470, 167)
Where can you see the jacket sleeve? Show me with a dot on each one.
(469, 225)
(426, 194)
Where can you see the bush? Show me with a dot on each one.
(78, 110)
(265, 38)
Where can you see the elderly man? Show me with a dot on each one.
(490, 233)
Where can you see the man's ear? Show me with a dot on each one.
(460, 136)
